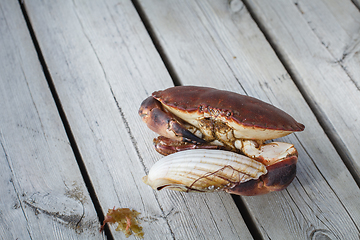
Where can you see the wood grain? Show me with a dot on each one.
(104, 64)
(43, 195)
(218, 44)
(320, 43)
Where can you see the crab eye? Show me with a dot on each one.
(200, 108)
(228, 114)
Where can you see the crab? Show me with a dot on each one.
(192, 117)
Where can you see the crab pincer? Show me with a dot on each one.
(165, 123)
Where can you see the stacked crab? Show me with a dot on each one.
(226, 137)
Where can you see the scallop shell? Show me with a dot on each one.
(203, 170)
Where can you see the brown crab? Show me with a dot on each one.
(190, 117)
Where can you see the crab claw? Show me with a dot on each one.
(165, 123)
(278, 177)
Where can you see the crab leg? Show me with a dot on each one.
(165, 123)
(167, 146)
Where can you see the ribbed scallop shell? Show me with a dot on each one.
(203, 170)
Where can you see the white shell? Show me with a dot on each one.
(203, 170)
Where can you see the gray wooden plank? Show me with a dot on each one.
(323, 56)
(104, 64)
(217, 43)
(43, 195)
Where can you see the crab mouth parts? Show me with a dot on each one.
(217, 131)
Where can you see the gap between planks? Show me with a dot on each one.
(66, 124)
(334, 139)
(244, 211)
(168, 65)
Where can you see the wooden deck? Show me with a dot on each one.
(74, 72)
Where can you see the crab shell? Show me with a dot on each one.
(190, 117)
(248, 117)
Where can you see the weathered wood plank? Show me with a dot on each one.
(321, 42)
(104, 64)
(217, 43)
(43, 195)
